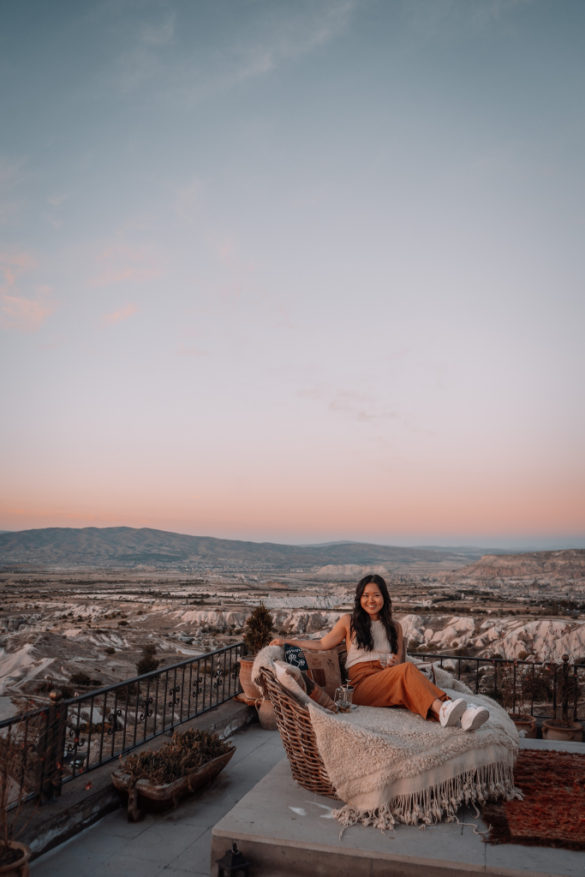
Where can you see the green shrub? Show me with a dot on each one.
(147, 662)
(80, 679)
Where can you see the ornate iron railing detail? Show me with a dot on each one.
(49, 746)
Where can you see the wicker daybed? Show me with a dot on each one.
(388, 766)
(298, 738)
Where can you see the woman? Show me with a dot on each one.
(377, 666)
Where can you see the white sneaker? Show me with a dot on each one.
(451, 711)
(473, 717)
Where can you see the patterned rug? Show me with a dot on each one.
(553, 810)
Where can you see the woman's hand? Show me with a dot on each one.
(277, 642)
(389, 660)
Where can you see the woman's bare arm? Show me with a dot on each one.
(329, 641)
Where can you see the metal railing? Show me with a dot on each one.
(545, 690)
(42, 749)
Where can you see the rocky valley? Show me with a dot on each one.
(77, 629)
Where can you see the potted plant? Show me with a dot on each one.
(184, 763)
(565, 727)
(257, 635)
(525, 724)
(14, 856)
(516, 689)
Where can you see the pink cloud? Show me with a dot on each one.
(121, 314)
(119, 263)
(23, 313)
(17, 311)
(11, 264)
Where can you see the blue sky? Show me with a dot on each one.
(294, 270)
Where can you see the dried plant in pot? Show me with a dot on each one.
(257, 635)
(189, 760)
(14, 856)
(564, 726)
(516, 688)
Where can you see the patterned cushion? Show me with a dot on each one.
(301, 686)
(319, 695)
(321, 665)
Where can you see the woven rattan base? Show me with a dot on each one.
(294, 724)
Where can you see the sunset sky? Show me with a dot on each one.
(294, 270)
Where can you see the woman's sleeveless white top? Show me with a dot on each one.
(381, 648)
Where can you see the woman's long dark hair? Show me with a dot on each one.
(361, 622)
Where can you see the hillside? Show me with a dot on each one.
(130, 548)
(530, 568)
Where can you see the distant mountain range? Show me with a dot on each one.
(130, 548)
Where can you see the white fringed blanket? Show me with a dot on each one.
(390, 766)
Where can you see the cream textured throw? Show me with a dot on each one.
(389, 765)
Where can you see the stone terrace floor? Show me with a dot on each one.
(177, 842)
(276, 814)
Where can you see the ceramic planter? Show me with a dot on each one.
(266, 715)
(525, 723)
(144, 792)
(556, 729)
(18, 867)
(249, 688)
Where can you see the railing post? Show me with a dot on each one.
(565, 689)
(54, 747)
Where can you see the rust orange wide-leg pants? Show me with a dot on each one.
(400, 685)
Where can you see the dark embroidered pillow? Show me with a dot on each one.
(294, 655)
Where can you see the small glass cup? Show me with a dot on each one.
(348, 689)
(343, 698)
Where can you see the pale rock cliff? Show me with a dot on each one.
(512, 638)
